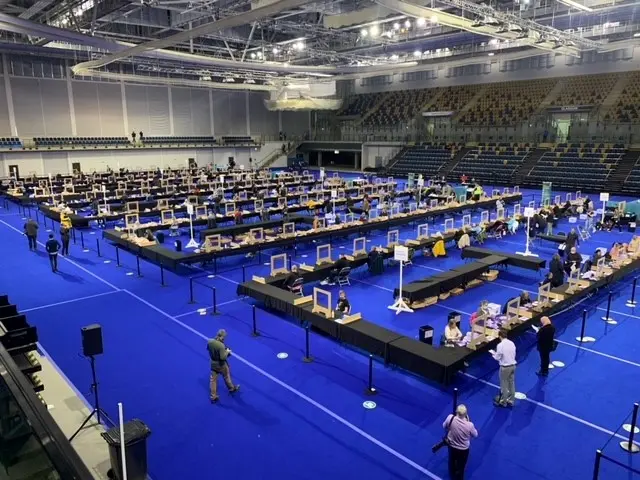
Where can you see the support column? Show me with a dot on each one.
(213, 129)
(7, 89)
(248, 114)
(319, 159)
(357, 163)
(169, 96)
(72, 108)
(125, 117)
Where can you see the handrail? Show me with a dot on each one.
(64, 459)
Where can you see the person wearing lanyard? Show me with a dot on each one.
(505, 355)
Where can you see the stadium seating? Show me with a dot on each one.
(426, 159)
(585, 90)
(491, 162)
(577, 165)
(177, 140)
(627, 109)
(508, 103)
(10, 142)
(399, 107)
(360, 104)
(236, 140)
(79, 141)
(632, 183)
(453, 99)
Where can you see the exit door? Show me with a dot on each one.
(75, 168)
(14, 172)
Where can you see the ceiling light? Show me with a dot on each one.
(636, 35)
(363, 32)
(275, 51)
(417, 53)
(253, 54)
(298, 46)
(286, 64)
(407, 24)
(434, 19)
(374, 31)
(491, 54)
(421, 22)
(394, 56)
(493, 41)
(574, 4)
(259, 54)
(249, 80)
(396, 26)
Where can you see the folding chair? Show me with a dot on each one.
(343, 276)
(296, 287)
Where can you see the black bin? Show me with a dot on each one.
(160, 237)
(135, 440)
(426, 334)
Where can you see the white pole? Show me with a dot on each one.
(122, 445)
(604, 207)
(526, 250)
(400, 289)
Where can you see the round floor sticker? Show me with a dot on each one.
(627, 428)
(85, 250)
(520, 396)
(369, 405)
(210, 276)
(107, 261)
(551, 365)
(557, 363)
(282, 355)
(92, 233)
(129, 274)
(202, 311)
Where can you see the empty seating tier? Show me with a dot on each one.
(585, 90)
(426, 159)
(453, 99)
(627, 108)
(491, 162)
(79, 141)
(360, 104)
(399, 107)
(177, 140)
(577, 165)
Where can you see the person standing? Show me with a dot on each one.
(65, 237)
(53, 247)
(219, 354)
(505, 355)
(31, 231)
(459, 432)
(546, 344)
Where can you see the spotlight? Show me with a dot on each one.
(253, 55)
(417, 53)
(421, 22)
(396, 26)
(363, 32)
(434, 19)
(407, 24)
(275, 51)
(374, 31)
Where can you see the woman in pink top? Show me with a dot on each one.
(460, 430)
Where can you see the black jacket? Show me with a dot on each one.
(557, 273)
(546, 335)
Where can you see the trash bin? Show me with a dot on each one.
(135, 440)
(160, 237)
(426, 334)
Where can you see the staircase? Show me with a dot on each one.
(481, 93)
(276, 155)
(530, 161)
(398, 156)
(551, 96)
(621, 171)
(610, 100)
(450, 165)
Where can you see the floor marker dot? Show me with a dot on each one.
(282, 355)
(129, 274)
(211, 276)
(520, 396)
(85, 250)
(107, 261)
(551, 366)
(369, 405)
(557, 363)
(627, 428)
(92, 233)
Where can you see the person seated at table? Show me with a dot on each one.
(477, 193)
(316, 222)
(343, 307)
(483, 309)
(237, 216)
(524, 297)
(512, 225)
(566, 209)
(339, 264)
(573, 260)
(366, 204)
(464, 241)
(363, 217)
(547, 279)
(614, 253)
(452, 334)
(464, 179)
(497, 229)
(438, 249)
(634, 244)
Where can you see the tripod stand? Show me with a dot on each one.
(97, 411)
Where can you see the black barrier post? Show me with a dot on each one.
(290, 261)
(629, 446)
(162, 275)
(117, 256)
(138, 265)
(214, 310)
(632, 303)
(255, 332)
(82, 239)
(607, 318)
(98, 246)
(73, 234)
(307, 358)
(243, 275)
(455, 400)
(596, 467)
(37, 217)
(191, 300)
(582, 328)
(371, 390)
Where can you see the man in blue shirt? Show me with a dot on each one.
(53, 247)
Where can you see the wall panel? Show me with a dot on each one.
(5, 127)
(200, 121)
(28, 107)
(158, 107)
(182, 120)
(55, 107)
(262, 121)
(87, 109)
(110, 109)
(295, 123)
(137, 109)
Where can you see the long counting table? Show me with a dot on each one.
(439, 364)
(172, 261)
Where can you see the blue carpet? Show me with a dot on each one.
(307, 421)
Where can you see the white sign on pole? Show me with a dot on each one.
(334, 194)
(529, 212)
(401, 253)
(604, 197)
(322, 173)
(421, 182)
(189, 209)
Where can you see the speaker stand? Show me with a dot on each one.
(97, 411)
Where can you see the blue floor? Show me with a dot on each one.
(306, 420)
